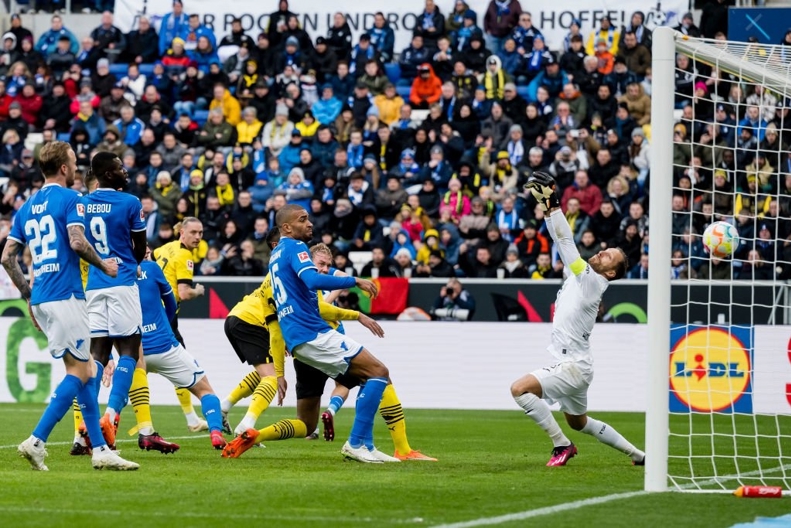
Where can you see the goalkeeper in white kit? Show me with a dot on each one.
(567, 381)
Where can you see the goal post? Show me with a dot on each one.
(719, 331)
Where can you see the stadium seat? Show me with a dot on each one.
(359, 259)
(64, 136)
(393, 72)
(147, 69)
(523, 91)
(200, 117)
(119, 70)
(419, 115)
(403, 91)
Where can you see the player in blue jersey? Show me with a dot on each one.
(116, 229)
(50, 223)
(311, 340)
(164, 355)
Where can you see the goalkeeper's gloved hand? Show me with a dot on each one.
(542, 186)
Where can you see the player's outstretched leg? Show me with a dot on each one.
(263, 395)
(194, 423)
(393, 414)
(210, 406)
(147, 437)
(244, 389)
(527, 394)
(282, 430)
(605, 434)
(360, 444)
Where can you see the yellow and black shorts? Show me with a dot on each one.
(250, 342)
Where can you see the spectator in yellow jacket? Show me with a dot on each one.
(389, 104)
(223, 99)
(250, 127)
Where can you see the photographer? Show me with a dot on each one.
(454, 303)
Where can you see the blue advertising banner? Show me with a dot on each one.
(767, 24)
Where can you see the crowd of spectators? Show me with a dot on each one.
(418, 155)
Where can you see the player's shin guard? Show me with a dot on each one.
(244, 389)
(122, 382)
(367, 404)
(210, 406)
(393, 415)
(88, 398)
(609, 436)
(58, 406)
(538, 410)
(283, 430)
(139, 395)
(77, 412)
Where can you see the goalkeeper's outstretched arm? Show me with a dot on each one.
(542, 186)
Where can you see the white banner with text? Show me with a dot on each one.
(553, 18)
(438, 365)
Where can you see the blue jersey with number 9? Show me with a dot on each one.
(42, 223)
(297, 305)
(110, 218)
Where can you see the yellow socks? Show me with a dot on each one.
(140, 400)
(185, 400)
(283, 430)
(393, 414)
(245, 388)
(77, 419)
(262, 396)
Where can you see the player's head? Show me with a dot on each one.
(322, 257)
(294, 222)
(57, 160)
(191, 232)
(273, 237)
(109, 170)
(148, 253)
(611, 263)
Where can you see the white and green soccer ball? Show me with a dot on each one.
(721, 239)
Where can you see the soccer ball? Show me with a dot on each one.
(721, 239)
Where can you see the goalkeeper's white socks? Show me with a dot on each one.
(609, 436)
(538, 410)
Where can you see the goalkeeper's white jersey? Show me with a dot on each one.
(576, 308)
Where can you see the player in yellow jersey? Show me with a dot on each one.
(311, 381)
(176, 260)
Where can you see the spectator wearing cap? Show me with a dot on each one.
(687, 26)
(575, 33)
(360, 102)
(530, 244)
(323, 60)
(263, 101)
(534, 61)
(103, 81)
(476, 56)
(636, 56)
(382, 37)
(107, 37)
(587, 194)
(307, 126)
(265, 57)
(430, 24)
(553, 79)
(499, 21)
(175, 59)
(426, 88)
(513, 266)
(289, 156)
(361, 54)
(468, 30)
(278, 23)
(411, 59)
(610, 35)
(515, 146)
(61, 57)
(637, 26)
(19, 31)
(495, 78)
(502, 175)
(513, 104)
(48, 41)
(172, 25)
(291, 56)
(111, 105)
(620, 77)
(111, 142)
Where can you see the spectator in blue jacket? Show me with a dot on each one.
(328, 108)
(90, 122)
(48, 42)
(297, 190)
(524, 33)
(289, 156)
(324, 147)
(342, 83)
(172, 25)
(437, 169)
(204, 54)
(412, 57)
(130, 127)
(752, 119)
(361, 54)
(510, 58)
(193, 31)
(382, 37)
(468, 30)
(552, 78)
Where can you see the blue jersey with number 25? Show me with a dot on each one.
(297, 305)
(110, 218)
(42, 223)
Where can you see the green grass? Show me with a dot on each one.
(490, 464)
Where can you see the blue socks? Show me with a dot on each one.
(367, 406)
(122, 382)
(336, 402)
(58, 406)
(210, 406)
(88, 398)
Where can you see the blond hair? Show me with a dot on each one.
(53, 156)
(320, 248)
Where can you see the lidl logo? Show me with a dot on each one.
(711, 369)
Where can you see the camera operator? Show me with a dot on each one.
(454, 303)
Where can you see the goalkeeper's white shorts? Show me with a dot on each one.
(566, 383)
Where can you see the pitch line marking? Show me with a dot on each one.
(124, 441)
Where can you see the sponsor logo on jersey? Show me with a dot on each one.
(303, 256)
(189, 265)
(80, 209)
(711, 370)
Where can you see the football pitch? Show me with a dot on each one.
(490, 473)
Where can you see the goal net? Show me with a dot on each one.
(721, 131)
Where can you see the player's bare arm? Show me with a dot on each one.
(80, 245)
(11, 264)
(187, 292)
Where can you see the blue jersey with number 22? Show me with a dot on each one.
(42, 223)
(110, 218)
